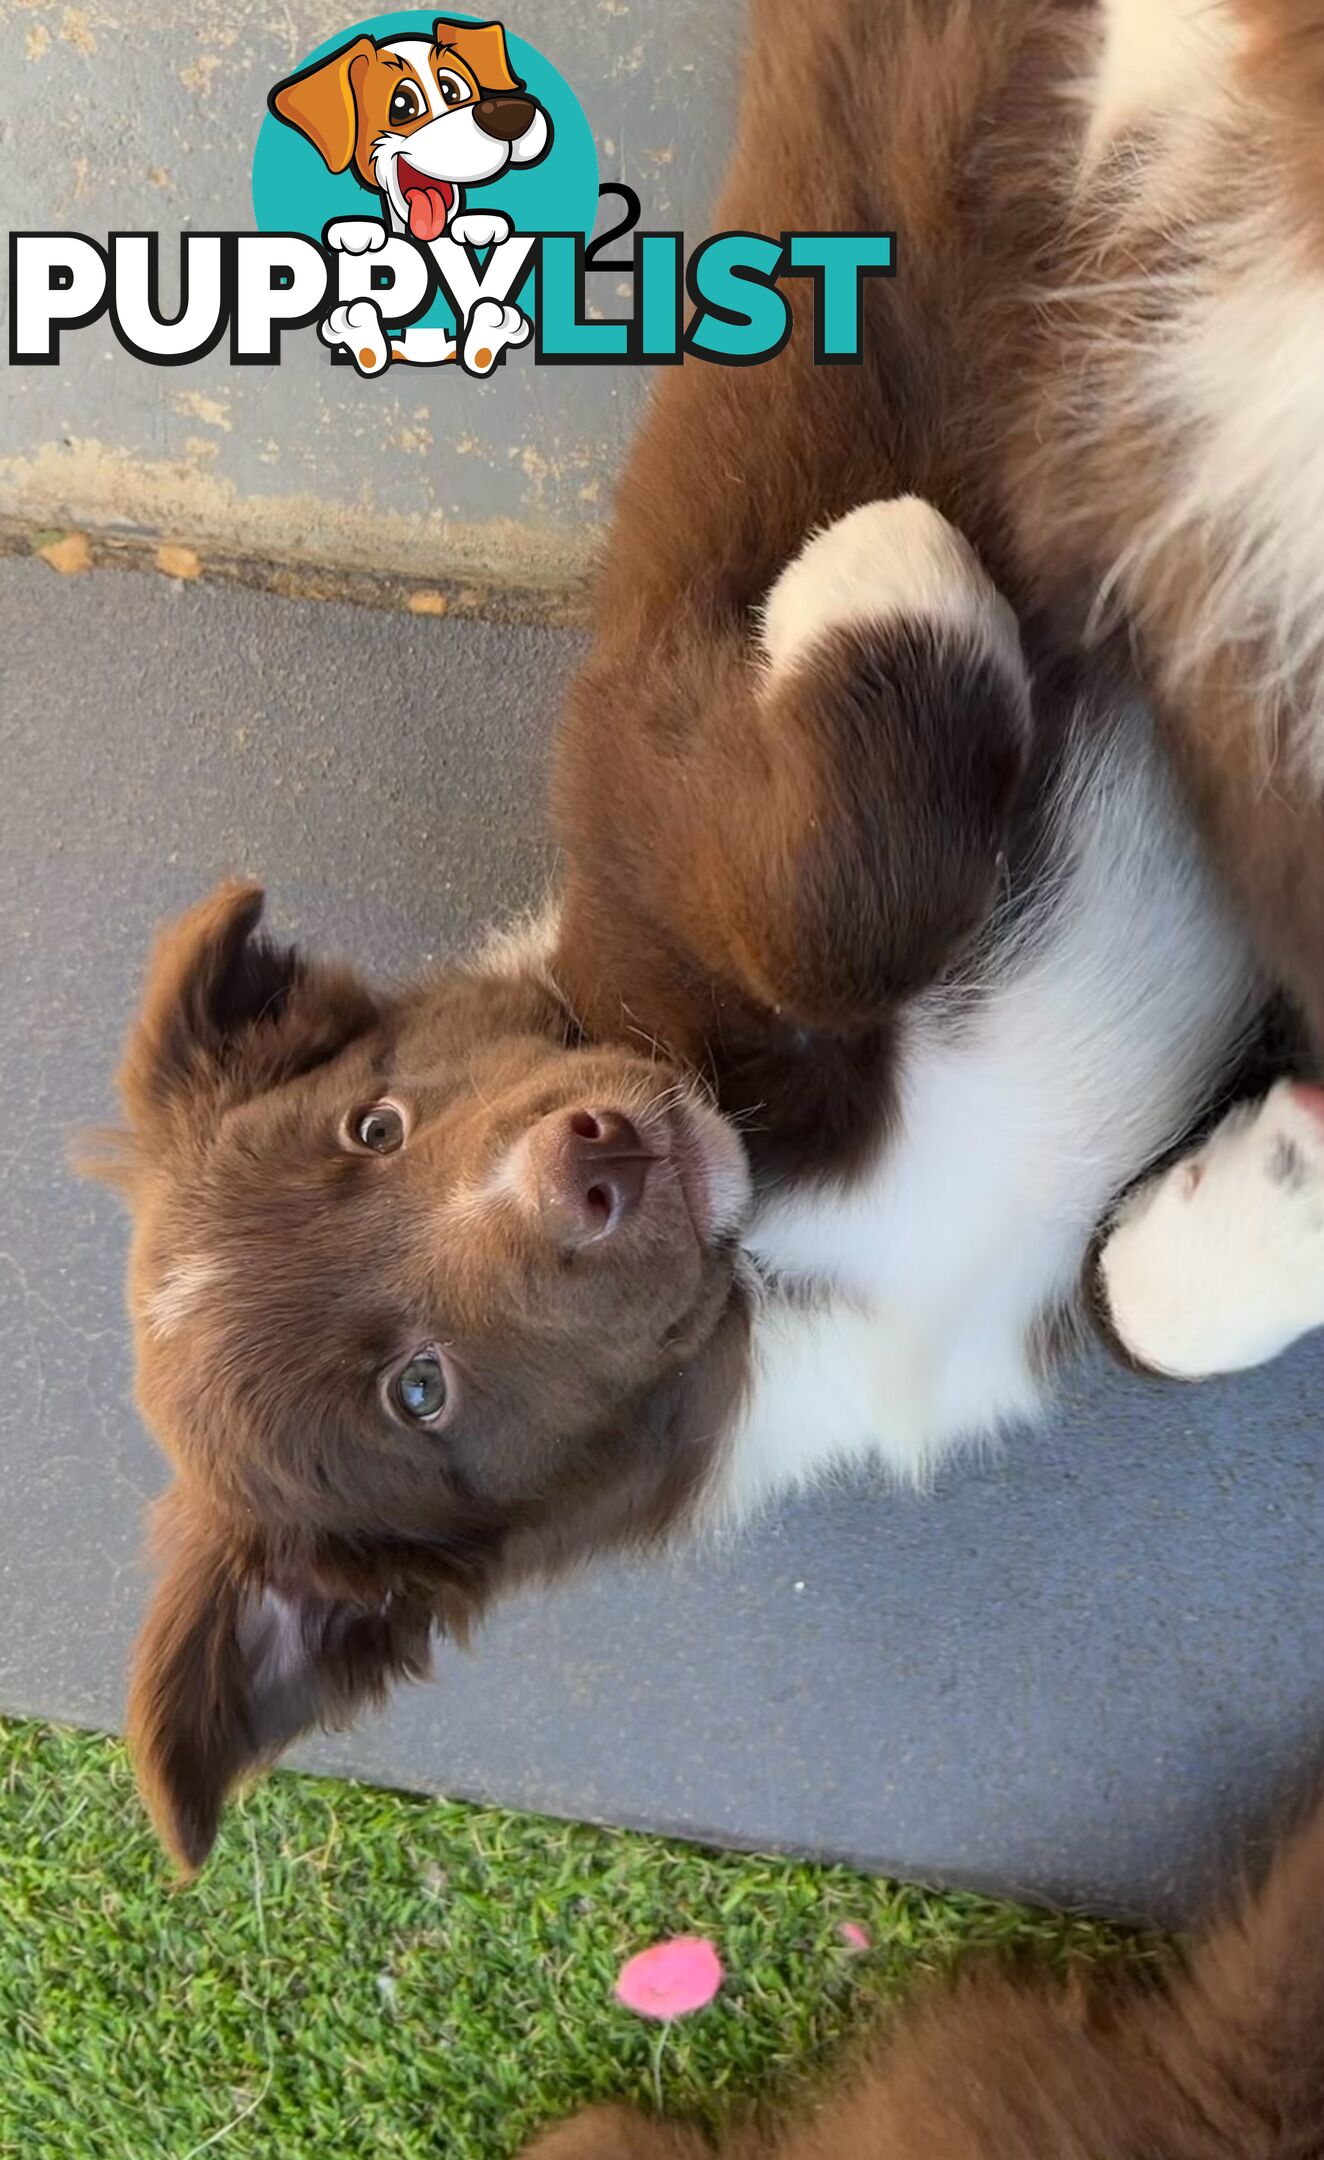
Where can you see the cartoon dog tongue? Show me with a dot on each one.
(429, 208)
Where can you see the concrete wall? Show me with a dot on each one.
(119, 115)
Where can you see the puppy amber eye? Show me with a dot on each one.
(381, 1130)
(405, 105)
(419, 1388)
(453, 91)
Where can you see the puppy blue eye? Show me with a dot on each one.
(380, 1129)
(419, 1388)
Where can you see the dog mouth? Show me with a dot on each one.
(711, 1170)
(428, 202)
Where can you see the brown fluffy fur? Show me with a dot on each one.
(1284, 68)
(1080, 463)
(1223, 2062)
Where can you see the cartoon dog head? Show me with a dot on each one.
(418, 119)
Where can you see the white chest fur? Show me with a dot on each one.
(1106, 1018)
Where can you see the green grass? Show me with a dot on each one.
(360, 1976)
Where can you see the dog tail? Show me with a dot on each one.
(1222, 2060)
(1241, 2034)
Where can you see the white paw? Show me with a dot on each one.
(480, 228)
(357, 326)
(489, 331)
(1219, 1263)
(883, 563)
(355, 235)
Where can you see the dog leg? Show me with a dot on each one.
(817, 813)
(886, 565)
(491, 329)
(1218, 1264)
(896, 680)
(357, 327)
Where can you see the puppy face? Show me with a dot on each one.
(427, 1300)
(418, 119)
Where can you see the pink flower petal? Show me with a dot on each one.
(854, 1936)
(671, 1979)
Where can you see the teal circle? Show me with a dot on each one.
(294, 192)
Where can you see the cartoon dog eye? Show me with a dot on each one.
(406, 104)
(454, 90)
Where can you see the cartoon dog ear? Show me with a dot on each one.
(322, 102)
(233, 1663)
(225, 1006)
(482, 47)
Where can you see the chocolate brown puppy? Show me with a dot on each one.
(883, 959)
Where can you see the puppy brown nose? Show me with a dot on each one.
(586, 1170)
(505, 118)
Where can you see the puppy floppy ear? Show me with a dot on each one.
(482, 47)
(227, 1006)
(237, 1657)
(322, 102)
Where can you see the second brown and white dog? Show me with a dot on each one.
(885, 958)
(1164, 472)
